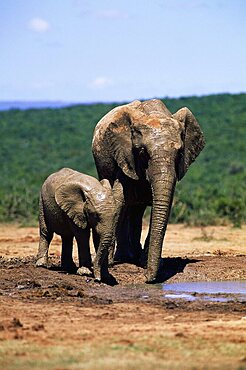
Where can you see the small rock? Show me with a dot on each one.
(180, 335)
(76, 293)
(16, 323)
(46, 293)
(18, 336)
(20, 286)
(38, 327)
(67, 287)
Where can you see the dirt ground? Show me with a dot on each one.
(53, 320)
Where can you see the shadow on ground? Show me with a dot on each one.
(169, 267)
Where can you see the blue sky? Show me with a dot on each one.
(90, 51)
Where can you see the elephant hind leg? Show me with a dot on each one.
(67, 263)
(42, 256)
(45, 237)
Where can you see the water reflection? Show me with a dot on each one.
(234, 290)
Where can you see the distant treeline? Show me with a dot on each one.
(37, 142)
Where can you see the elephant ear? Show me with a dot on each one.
(106, 184)
(70, 197)
(119, 138)
(193, 140)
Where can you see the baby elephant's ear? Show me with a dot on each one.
(70, 197)
(106, 184)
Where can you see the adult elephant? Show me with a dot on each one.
(142, 149)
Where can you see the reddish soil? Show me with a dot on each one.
(53, 320)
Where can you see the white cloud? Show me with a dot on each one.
(100, 83)
(38, 25)
(112, 14)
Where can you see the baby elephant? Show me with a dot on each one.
(72, 203)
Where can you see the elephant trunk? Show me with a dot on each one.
(163, 185)
(100, 264)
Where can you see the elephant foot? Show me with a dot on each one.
(107, 279)
(84, 271)
(42, 262)
(71, 267)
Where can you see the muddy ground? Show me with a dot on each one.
(53, 320)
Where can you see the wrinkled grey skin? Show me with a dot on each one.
(72, 203)
(143, 150)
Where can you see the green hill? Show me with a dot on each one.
(35, 143)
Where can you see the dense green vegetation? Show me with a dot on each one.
(35, 143)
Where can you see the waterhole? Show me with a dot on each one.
(216, 291)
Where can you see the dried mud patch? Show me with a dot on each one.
(54, 320)
(21, 280)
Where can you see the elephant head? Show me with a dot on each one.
(145, 140)
(90, 203)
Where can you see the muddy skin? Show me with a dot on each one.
(71, 204)
(145, 149)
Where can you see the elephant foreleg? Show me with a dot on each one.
(83, 242)
(67, 263)
(128, 234)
